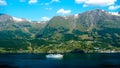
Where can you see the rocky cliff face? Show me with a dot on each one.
(5, 18)
(87, 21)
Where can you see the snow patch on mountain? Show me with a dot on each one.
(21, 19)
(17, 19)
(76, 15)
(114, 13)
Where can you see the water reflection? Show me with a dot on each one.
(69, 61)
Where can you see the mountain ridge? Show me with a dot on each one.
(82, 32)
(87, 19)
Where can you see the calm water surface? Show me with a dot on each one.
(68, 61)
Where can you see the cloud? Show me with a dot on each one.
(55, 0)
(114, 7)
(114, 13)
(85, 5)
(52, 1)
(62, 11)
(80, 1)
(48, 8)
(45, 19)
(3, 2)
(96, 2)
(33, 1)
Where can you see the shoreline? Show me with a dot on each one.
(102, 52)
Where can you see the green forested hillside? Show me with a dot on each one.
(91, 31)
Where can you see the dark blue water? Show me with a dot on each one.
(69, 61)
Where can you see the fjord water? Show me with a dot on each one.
(69, 60)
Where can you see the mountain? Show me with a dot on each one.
(84, 21)
(20, 20)
(95, 25)
(7, 18)
(91, 31)
(119, 12)
(8, 22)
(15, 32)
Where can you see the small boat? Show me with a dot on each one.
(54, 56)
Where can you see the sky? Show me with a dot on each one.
(43, 10)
